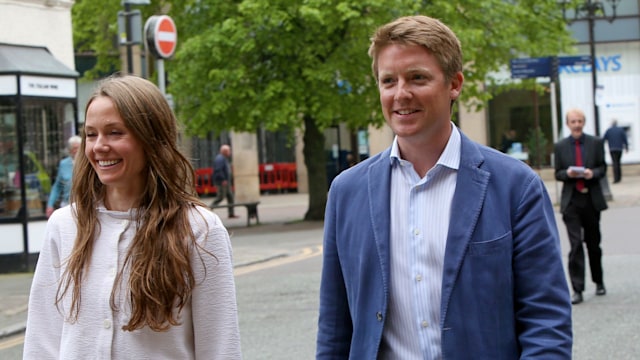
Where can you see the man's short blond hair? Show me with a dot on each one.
(424, 31)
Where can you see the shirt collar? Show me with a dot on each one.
(129, 214)
(579, 140)
(450, 157)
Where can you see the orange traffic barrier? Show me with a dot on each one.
(204, 181)
(279, 177)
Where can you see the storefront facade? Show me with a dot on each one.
(38, 108)
(38, 113)
(617, 56)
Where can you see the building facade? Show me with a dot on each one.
(616, 94)
(38, 113)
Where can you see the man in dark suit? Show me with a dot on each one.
(580, 165)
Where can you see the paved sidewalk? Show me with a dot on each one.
(281, 233)
(280, 214)
(624, 194)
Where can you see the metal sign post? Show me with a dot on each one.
(161, 39)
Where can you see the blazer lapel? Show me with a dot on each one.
(379, 184)
(468, 198)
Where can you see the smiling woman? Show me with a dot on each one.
(115, 153)
(136, 222)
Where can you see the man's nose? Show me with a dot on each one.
(402, 91)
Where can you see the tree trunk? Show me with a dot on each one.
(314, 159)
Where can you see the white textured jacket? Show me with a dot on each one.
(209, 323)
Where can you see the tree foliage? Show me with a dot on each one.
(278, 63)
(284, 64)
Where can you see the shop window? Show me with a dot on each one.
(46, 125)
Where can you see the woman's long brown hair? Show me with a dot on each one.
(158, 260)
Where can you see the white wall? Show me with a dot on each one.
(39, 23)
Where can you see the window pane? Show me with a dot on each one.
(9, 197)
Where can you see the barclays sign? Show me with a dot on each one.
(611, 63)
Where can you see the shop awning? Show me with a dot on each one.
(31, 60)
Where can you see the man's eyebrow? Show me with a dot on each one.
(417, 69)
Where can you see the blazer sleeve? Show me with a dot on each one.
(542, 306)
(335, 326)
(599, 166)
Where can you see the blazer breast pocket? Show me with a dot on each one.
(502, 244)
(489, 264)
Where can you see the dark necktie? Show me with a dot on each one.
(580, 182)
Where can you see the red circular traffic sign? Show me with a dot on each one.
(162, 36)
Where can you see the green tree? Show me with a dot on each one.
(537, 146)
(276, 63)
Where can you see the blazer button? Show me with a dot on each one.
(379, 316)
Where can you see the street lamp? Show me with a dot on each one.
(591, 10)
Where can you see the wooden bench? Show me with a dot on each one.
(252, 210)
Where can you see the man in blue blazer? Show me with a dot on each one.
(438, 247)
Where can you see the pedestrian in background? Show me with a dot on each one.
(137, 267)
(616, 139)
(437, 247)
(580, 165)
(59, 195)
(508, 138)
(222, 179)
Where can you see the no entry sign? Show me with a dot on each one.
(162, 36)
